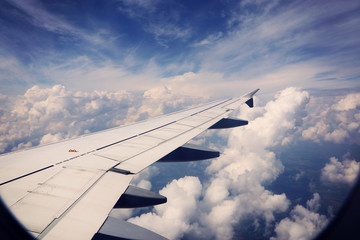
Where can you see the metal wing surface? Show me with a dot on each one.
(66, 190)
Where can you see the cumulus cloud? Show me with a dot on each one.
(174, 218)
(235, 190)
(336, 171)
(337, 121)
(44, 115)
(299, 175)
(142, 179)
(303, 223)
(351, 101)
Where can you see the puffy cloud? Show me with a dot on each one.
(142, 179)
(235, 190)
(337, 121)
(351, 101)
(159, 100)
(299, 175)
(248, 164)
(303, 223)
(314, 203)
(50, 138)
(44, 115)
(335, 171)
(173, 219)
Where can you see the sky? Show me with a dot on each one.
(222, 47)
(68, 68)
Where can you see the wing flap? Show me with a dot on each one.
(190, 152)
(228, 123)
(115, 228)
(41, 198)
(50, 199)
(85, 217)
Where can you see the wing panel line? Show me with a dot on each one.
(14, 179)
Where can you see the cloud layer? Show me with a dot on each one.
(234, 189)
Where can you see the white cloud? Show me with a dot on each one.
(314, 203)
(299, 175)
(142, 179)
(50, 138)
(303, 223)
(235, 190)
(211, 39)
(336, 172)
(351, 101)
(337, 121)
(173, 219)
(44, 115)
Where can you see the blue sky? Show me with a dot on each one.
(133, 45)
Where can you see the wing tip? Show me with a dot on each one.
(251, 94)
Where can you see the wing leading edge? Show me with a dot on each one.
(66, 190)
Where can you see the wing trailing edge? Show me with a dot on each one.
(190, 152)
(135, 197)
(118, 229)
(229, 123)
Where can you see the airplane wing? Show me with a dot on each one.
(66, 190)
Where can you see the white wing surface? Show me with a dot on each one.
(66, 190)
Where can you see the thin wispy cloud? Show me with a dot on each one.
(269, 44)
(159, 18)
(36, 14)
(296, 33)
